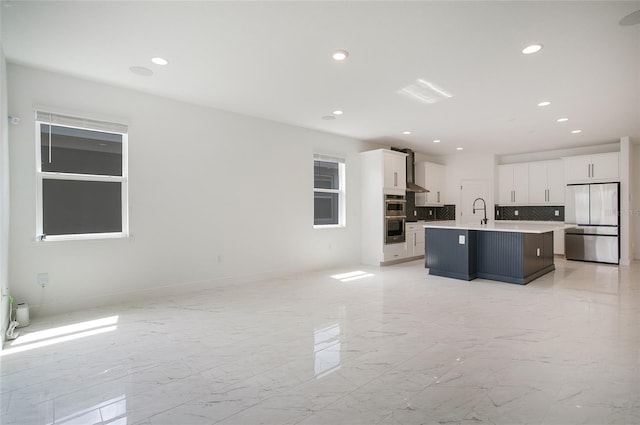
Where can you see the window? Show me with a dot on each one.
(81, 178)
(328, 191)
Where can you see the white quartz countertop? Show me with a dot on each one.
(500, 226)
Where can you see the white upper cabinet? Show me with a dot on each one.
(546, 182)
(513, 184)
(556, 182)
(592, 168)
(395, 171)
(431, 176)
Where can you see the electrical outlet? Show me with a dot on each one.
(430, 212)
(43, 279)
(515, 212)
(557, 213)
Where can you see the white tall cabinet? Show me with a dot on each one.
(431, 176)
(383, 172)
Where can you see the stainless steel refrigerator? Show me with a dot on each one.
(594, 210)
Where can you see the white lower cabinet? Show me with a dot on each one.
(394, 251)
(558, 242)
(415, 240)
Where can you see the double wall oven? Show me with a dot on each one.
(395, 216)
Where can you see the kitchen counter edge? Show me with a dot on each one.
(500, 226)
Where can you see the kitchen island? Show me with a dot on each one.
(503, 251)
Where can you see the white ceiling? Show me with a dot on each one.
(273, 60)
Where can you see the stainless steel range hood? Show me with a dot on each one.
(411, 171)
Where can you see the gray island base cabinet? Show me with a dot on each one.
(507, 256)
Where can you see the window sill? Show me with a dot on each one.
(84, 237)
(329, 226)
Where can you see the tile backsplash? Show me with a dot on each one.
(414, 213)
(446, 212)
(530, 213)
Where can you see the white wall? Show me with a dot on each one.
(212, 195)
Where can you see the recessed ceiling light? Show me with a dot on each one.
(340, 55)
(545, 103)
(459, 149)
(532, 49)
(436, 141)
(406, 132)
(576, 131)
(141, 70)
(563, 119)
(337, 112)
(160, 61)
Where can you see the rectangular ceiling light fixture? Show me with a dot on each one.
(425, 92)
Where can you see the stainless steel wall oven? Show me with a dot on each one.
(395, 216)
(395, 205)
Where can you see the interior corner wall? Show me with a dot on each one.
(4, 201)
(635, 201)
(212, 195)
(626, 187)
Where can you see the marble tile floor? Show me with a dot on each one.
(388, 345)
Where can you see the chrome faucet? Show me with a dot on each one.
(484, 208)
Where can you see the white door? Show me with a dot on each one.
(470, 190)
